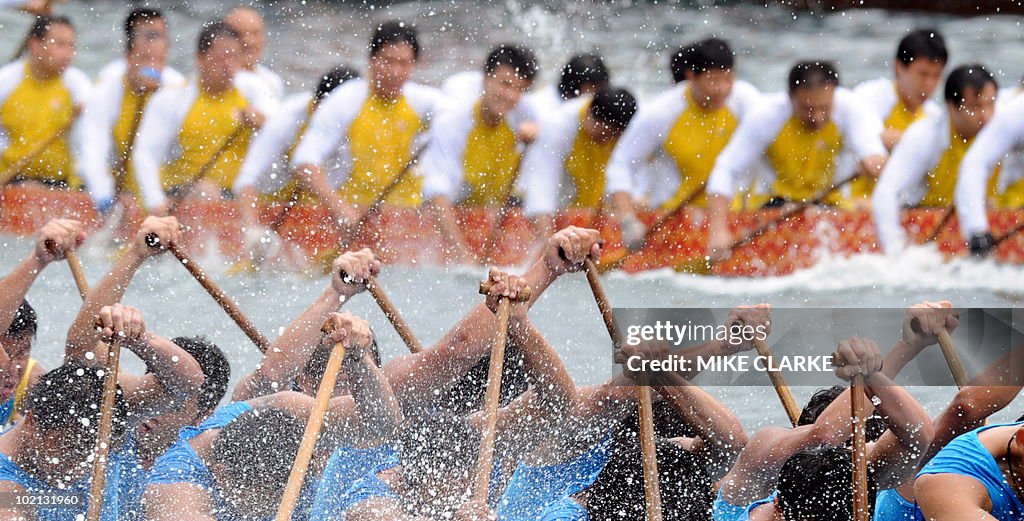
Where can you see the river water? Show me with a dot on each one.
(307, 39)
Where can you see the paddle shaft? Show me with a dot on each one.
(956, 366)
(779, 382)
(310, 435)
(24, 160)
(860, 456)
(382, 196)
(102, 450)
(1008, 235)
(172, 206)
(122, 162)
(942, 224)
(229, 305)
(655, 228)
(77, 271)
(390, 311)
(652, 485)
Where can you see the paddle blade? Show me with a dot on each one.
(696, 266)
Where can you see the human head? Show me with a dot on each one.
(17, 343)
(312, 373)
(708, 67)
(814, 485)
(252, 458)
(63, 408)
(219, 55)
(157, 434)
(394, 50)
(332, 79)
(970, 96)
(51, 45)
(822, 398)
(467, 395)
(248, 23)
(583, 74)
(609, 113)
(439, 453)
(618, 491)
(812, 86)
(920, 58)
(508, 73)
(145, 38)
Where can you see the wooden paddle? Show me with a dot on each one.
(381, 197)
(1008, 235)
(703, 265)
(77, 271)
(652, 484)
(946, 216)
(949, 352)
(102, 450)
(859, 411)
(390, 311)
(225, 302)
(313, 425)
(200, 174)
(121, 170)
(24, 160)
(485, 462)
(779, 382)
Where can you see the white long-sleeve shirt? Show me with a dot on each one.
(263, 167)
(902, 180)
(98, 153)
(861, 136)
(879, 97)
(161, 123)
(644, 139)
(470, 85)
(267, 79)
(1003, 135)
(544, 162)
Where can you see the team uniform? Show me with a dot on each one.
(673, 136)
(31, 112)
(346, 466)
(881, 99)
(364, 142)
(803, 163)
(112, 117)
(921, 170)
(183, 128)
(266, 165)
(565, 167)
(269, 80)
(1003, 135)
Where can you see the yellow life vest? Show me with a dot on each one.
(490, 162)
(694, 142)
(900, 119)
(132, 105)
(35, 111)
(207, 129)
(805, 161)
(22, 389)
(586, 166)
(380, 140)
(941, 181)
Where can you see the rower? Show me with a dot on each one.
(248, 23)
(567, 165)
(922, 169)
(265, 169)
(473, 153)
(40, 97)
(901, 101)
(799, 136)
(215, 114)
(235, 465)
(113, 113)
(369, 127)
(688, 125)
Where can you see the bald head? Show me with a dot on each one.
(248, 23)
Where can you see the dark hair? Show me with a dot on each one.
(437, 445)
(68, 399)
(213, 30)
(467, 394)
(394, 31)
(43, 23)
(519, 58)
(974, 76)
(258, 449)
(618, 491)
(316, 366)
(582, 69)
(216, 370)
(814, 484)
(332, 79)
(812, 74)
(822, 398)
(613, 107)
(700, 57)
(136, 17)
(25, 322)
(922, 43)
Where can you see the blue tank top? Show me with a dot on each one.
(532, 489)
(966, 456)
(367, 487)
(133, 480)
(7, 411)
(565, 510)
(890, 506)
(726, 511)
(346, 467)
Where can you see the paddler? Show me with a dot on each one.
(114, 111)
(248, 23)
(566, 166)
(209, 123)
(922, 169)
(41, 97)
(688, 125)
(899, 102)
(800, 136)
(474, 150)
(363, 135)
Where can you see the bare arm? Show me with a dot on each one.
(951, 497)
(64, 235)
(895, 457)
(312, 178)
